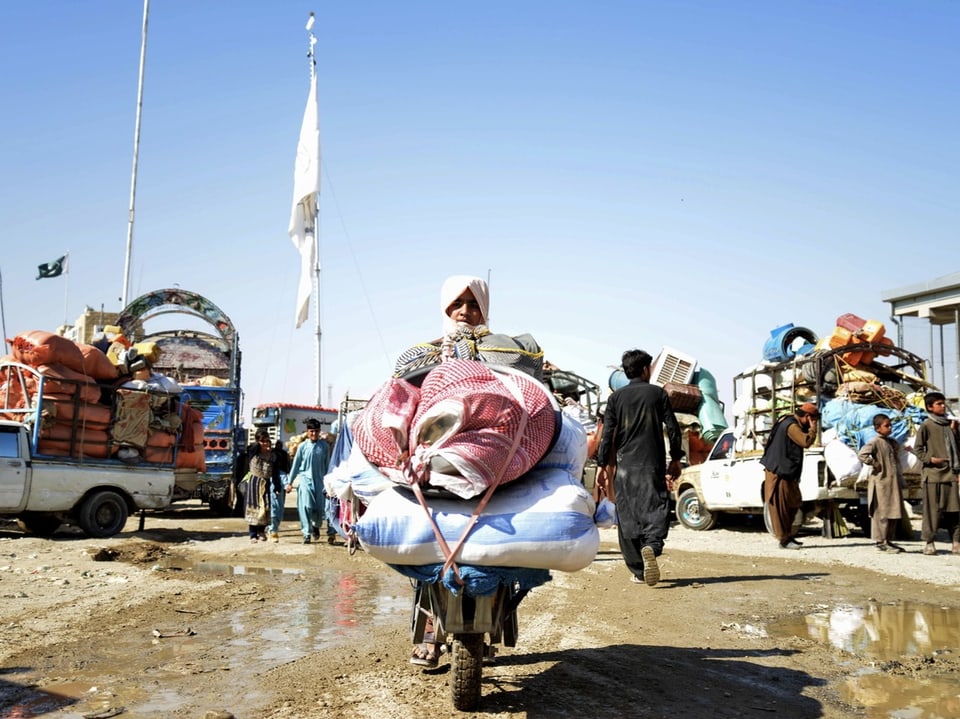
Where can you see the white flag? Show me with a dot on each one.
(303, 215)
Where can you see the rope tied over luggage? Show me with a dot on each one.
(510, 383)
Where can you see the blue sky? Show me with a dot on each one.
(630, 174)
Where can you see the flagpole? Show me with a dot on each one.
(305, 212)
(136, 154)
(316, 230)
(66, 284)
(3, 317)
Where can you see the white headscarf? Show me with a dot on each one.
(453, 287)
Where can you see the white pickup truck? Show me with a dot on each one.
(730, 482)
(731, 478)
(43, 493)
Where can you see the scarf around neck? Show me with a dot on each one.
(950, 440)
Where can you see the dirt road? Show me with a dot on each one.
(189, 619)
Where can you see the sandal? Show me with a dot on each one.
(426, 654)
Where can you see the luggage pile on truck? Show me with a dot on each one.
(92, 440)
(81, 406)
(851, 374)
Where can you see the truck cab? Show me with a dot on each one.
(13, 466)
(284, 421)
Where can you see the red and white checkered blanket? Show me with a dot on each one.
(468, 427)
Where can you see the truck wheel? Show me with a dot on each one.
(767, 522)
(230, 504)
(863, 519)
(102, 514)
(221, 507)
(766, 518)
(692, 513)
(467, 660)
(42, 525)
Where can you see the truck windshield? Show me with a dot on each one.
(723, 447)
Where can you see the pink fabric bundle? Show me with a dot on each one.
(384, 423)
(470, 426)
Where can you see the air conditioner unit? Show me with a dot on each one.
(672, 366)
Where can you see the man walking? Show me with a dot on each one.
(308, 469)
(632, 456)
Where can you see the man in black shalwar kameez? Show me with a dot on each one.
(633, 427)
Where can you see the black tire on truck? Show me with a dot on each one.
(797, 519)
(222, 507)
(40, 524)
(102, 514)
(691, 512)
(231, 504)
(467, 661)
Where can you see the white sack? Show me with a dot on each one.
(544, 520)
(842, 461)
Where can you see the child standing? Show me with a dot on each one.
(885, 489)
(938, 450)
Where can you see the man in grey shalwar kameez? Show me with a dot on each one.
(938, 449)
(633, 427)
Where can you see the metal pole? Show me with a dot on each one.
(943, 362)
(3, 317)
(956, 375)
(66, 285)
(316, 230)
(136, 154)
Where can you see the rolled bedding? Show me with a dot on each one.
(544, 520)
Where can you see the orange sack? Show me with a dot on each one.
(196, 458)
(158, 455)
(56, 439)
(61, 448)
(73, 382)
(64, 408)
(36, 347)
(96, 364)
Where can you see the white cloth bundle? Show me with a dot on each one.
(543, 520)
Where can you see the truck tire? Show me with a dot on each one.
(797, 519)
(39, 523)
(863, 520)
(467, 661)
(692, 513)
(102, 514)
(222, 507)
(231, 504)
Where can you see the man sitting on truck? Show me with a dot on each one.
(783, 462)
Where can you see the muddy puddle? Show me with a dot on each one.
(297, 618)
(912, 652)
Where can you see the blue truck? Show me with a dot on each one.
(205, 362)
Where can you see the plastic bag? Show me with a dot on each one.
(606, 515)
